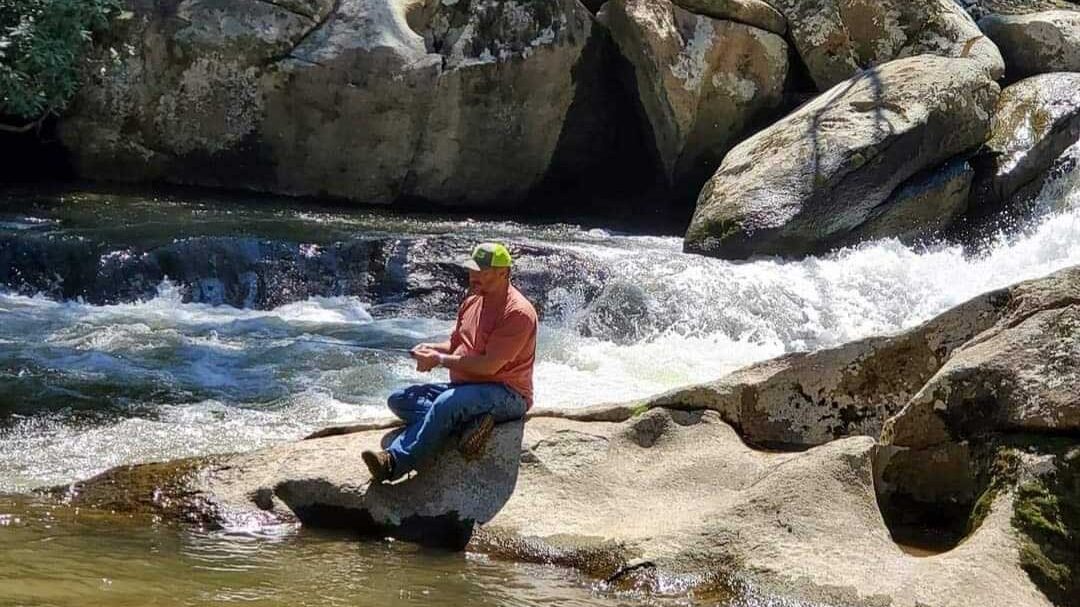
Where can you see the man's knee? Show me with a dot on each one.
(398, 400)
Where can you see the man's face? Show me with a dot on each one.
(486, 281)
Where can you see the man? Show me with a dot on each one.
(490, 356)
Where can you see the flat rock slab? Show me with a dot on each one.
(678, 500)
(322, 483)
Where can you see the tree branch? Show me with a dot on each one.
(7, 128)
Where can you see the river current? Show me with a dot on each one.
(84, 387)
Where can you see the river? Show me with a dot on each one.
(88, 384)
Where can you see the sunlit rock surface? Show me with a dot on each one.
(1037, 43)
(801, 185)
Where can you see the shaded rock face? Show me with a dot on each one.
(397, 276)
(702, 82)
(1037, 43)
(921, 208)
(377, 101)
(1036, 120)
(805, 182)
(837, 39)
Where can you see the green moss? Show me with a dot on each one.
(640, 409)
(1047, 514)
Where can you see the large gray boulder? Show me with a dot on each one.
(801, 185)
(1036, 120)
(701, 81)
(1036, 43)
(371, 100)
(837, 39)
(1020, 375)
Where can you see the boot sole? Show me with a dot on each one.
(375, 467)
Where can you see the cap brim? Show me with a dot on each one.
(469, 264)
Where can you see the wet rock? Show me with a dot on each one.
(838, 39)
(1036, 43)
(396, 275)
(702, 82)
(377, 101)
(802, 184)
(1036, 120)
(620, 313)
(757, 13)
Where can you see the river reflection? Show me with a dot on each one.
(56, 555)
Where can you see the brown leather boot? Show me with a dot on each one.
(380, 464)
(476, 437)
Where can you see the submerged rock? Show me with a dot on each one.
(1036, 43)
(701, 81)
(838, 39)
(801, 185)
(377, 101)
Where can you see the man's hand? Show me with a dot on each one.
(426, 358)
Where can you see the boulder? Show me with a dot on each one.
(321, 483)
(837, 39)
(757, 13)
(378, 101)
(801, 185)
(1036, 43)
(702, 82)
(1036, 120)
(677, 501)
(1020, 375)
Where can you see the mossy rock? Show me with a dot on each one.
(164, 490)
(1047, 514)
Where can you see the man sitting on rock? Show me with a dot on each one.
(490, 356)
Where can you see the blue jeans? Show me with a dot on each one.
(434, 411)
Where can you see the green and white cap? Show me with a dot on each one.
(488, 255)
